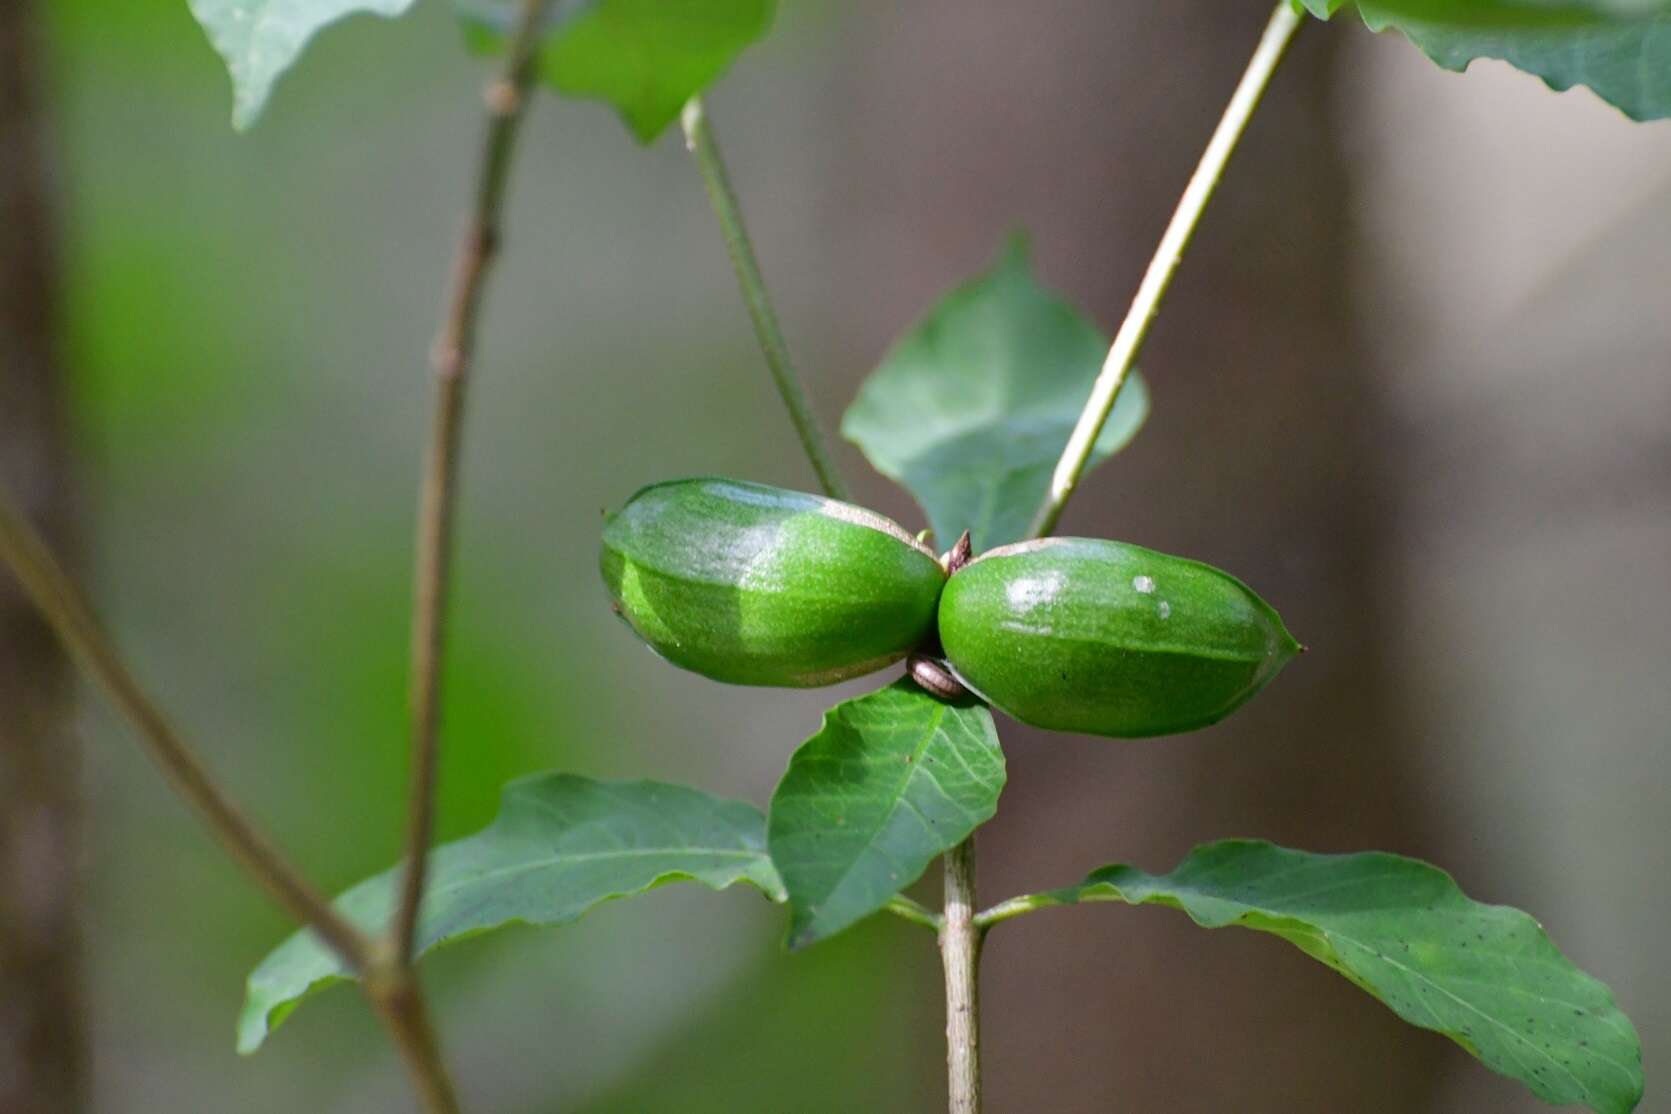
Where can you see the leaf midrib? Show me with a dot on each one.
(912, 765)
(590, 856)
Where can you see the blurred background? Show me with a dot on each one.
(1413, 385)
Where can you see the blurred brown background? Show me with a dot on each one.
(1412, 384)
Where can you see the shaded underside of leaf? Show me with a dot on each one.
(1625, 63)
(1620, 49)
(645, 58)
(1498, 14)
(260, 39)
(971, 408)
(560, 845)
(1484, 975)
(890, 781)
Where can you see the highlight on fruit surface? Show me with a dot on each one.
(1105, 638)
(756, 585)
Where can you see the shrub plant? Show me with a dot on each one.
(990, 411)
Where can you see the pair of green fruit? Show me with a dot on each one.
(755, 585)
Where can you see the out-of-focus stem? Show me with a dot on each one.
(454, 351)
(71, 619)
(699, 138)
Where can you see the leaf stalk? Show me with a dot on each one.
(1015, 907)
(915, 912)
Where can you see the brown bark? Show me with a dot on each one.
(42, 1054)
(1081, 121)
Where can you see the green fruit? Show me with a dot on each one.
(1075, 634)
(755, 585)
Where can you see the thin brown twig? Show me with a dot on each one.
(389, 981)
(399, 1001)
(393, 991)
(66, 610)
(454, 349)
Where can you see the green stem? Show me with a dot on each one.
(1016, 907)
(915, 912)
(1145, 306)
(699, 138)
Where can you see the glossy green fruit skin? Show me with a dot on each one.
(755, 585)
(1104, 638)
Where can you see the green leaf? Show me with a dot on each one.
(560, 845)
(972, 407)
(644, 57)
(891, 780)
(1620, 49)
(1484, 975)
(260, 39)
(1498, 14)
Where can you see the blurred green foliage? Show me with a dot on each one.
(248, 319)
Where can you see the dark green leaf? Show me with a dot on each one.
(560, 845)
(891, 780)
(1500, 14)
(644, 57)
(972, 407)
(1484, 975)
(260, 39)
(1621, 49)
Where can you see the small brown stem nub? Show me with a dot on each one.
(958, 555)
